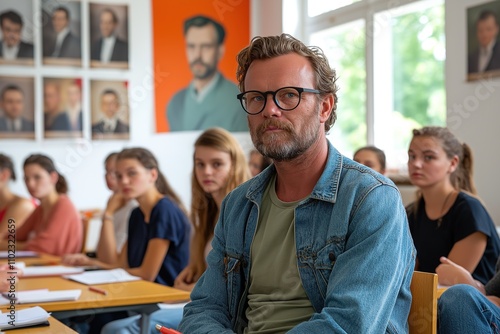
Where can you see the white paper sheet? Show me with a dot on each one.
(103, 277)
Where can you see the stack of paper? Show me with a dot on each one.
(24, 318)
(103, 277)
(41, 296)
(43, 271)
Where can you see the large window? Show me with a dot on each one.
(390, 66)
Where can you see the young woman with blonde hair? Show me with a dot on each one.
(219, 166)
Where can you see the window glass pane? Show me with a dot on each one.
(409, 91)
(344, 46)
(317, 7)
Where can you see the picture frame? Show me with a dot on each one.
(483, 43)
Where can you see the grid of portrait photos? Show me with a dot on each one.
(64, 69)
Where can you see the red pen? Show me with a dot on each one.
(165, 330)
(101, 291)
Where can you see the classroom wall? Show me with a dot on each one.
(473, 107)
(81, 161)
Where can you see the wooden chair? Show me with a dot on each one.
(423, 312)
(88, 242)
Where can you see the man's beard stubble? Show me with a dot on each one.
(286, 145)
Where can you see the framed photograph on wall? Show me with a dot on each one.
(195, 46)
(483, 44)
(109, 47)
(17, 105)
(61, 32)
(16, 32)
(110, 112)
(62, 108)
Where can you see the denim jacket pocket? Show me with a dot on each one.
(325, 260)
(233, 275)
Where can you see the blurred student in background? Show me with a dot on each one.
(12, 206)
(157, 248)
(257, 162)
(448, 219)
(55, 226)
(219, 165)
(372, 157)
(114, 233)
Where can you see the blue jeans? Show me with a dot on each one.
(463, 309)
(169, 318)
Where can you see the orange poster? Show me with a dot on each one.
(195, 46)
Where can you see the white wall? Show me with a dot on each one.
(473, 107)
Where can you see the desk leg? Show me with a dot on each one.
(145, 323)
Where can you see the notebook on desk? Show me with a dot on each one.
(44, 271)
(33, 316)
(103, 277)
(40, 296)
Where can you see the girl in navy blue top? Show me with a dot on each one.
(159, 231)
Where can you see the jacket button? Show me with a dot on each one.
(331, 256)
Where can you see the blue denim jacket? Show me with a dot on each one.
(355, 255)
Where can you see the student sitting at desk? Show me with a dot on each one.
(55, 226)
(12, 206)
(157, 248)
(219, 166)
(113, 232)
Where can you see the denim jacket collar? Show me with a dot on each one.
(325, 189)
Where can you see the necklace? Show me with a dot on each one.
(440, 219)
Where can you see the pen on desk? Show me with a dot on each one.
(101, 291)
(165, 330)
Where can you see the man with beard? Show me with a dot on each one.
(209, 100)
(316, 243)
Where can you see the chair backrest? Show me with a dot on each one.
(91, 229)
(423, 313)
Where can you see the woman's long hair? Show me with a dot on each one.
(204, 210)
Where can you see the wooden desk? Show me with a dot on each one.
(140, 296)
(55, 327)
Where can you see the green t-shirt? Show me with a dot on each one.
(277, 300)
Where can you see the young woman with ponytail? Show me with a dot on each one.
(55, 226)
(157, 248)
(448, 221)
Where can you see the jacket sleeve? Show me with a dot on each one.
(208, 312)
(371, 279)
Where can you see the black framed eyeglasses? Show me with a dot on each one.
(286, 98)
